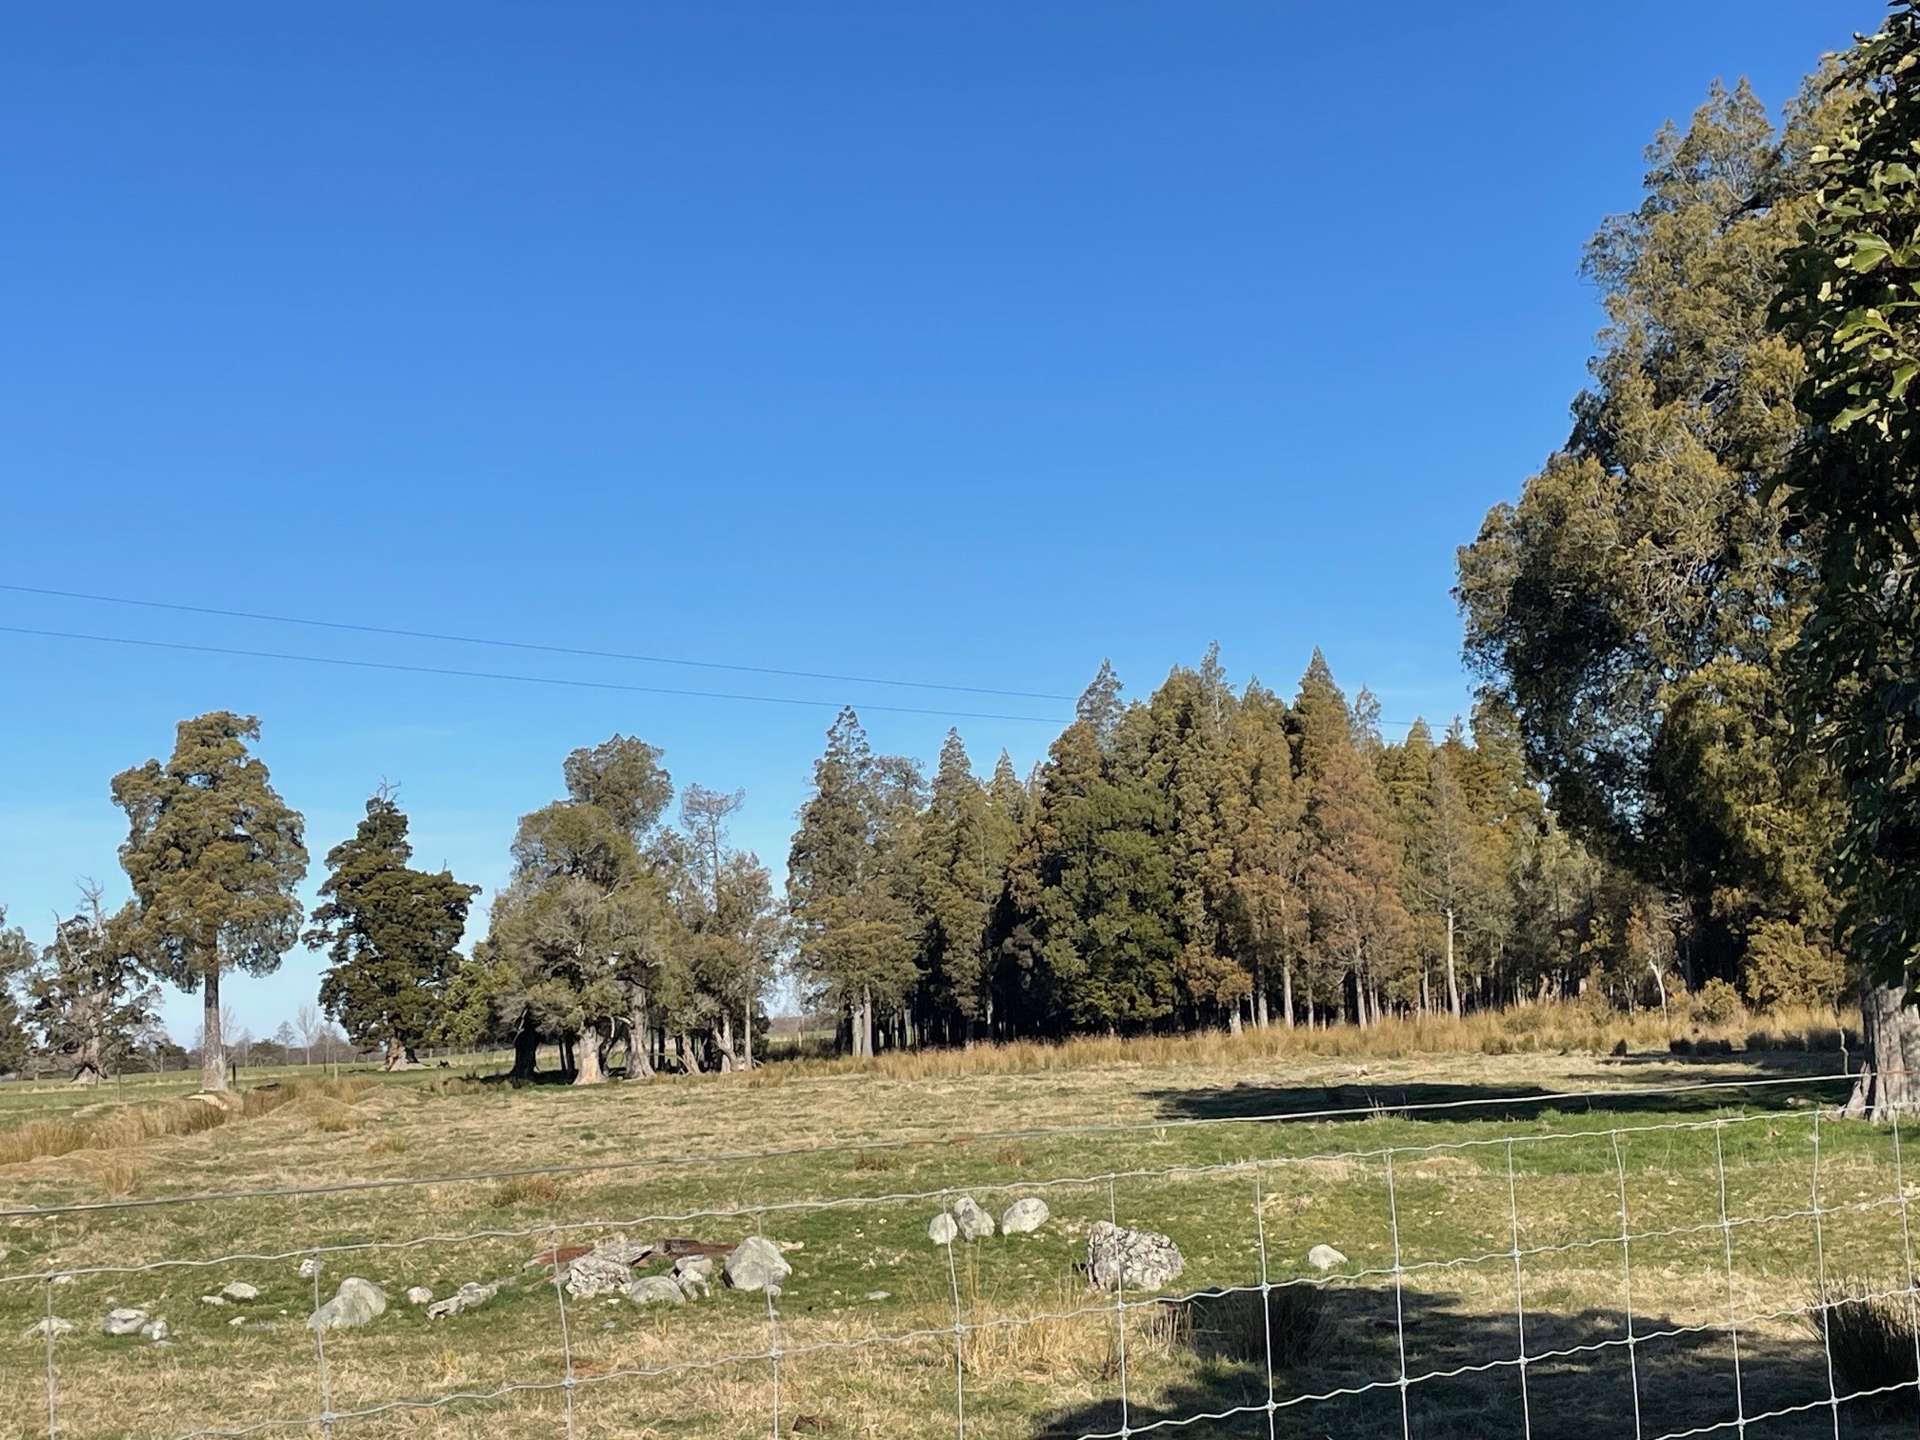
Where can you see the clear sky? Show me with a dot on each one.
(958, 343)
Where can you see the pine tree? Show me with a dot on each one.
(1262, 820)
(849, 880)
(390, 933)
(957, 859)
(214, 856)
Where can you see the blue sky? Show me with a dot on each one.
(950, 343)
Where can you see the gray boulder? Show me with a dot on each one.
(694, 1275)
(605, 1269)
(1132, 1259)
(755, 1264)
(1023, 1217)
(974, 1223)
(308, 1268)
(656, 1290)
(155, 1330)
(357, 1302)
(467, 1297)
(124, 1321)
(1325, 1257)
(942, 1229)
(240, 1292)
(419, 1295)
(53, 1325)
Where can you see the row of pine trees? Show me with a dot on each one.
(1207, 857)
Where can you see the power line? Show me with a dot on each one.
(389, 665)
(524, 644)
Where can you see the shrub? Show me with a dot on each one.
(1718, 1003)
(1784, 967)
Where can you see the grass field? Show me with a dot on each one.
(866, 1323)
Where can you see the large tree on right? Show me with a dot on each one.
(1851, 303)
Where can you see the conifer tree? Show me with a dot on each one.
(1262, 819)
(390, 933)
(958, 859)
(214, 856)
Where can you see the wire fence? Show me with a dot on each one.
(1272, 1397)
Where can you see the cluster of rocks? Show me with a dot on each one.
(965, 1220)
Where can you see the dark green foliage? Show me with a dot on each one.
(16, 956)
(213, 855)
(390, 933)
(1853, 490)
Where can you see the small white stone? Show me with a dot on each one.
(1325, 1257)
(213, 1299)
(419, 1295)
(239, 1290)
(942, 1229)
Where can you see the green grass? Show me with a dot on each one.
(1316, 1181)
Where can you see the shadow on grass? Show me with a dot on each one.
(1632, 1085)
(1467, 1383)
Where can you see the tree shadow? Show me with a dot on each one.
(1657, 1084)
(1341, 1377)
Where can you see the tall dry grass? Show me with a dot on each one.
(125, 1128)
(1567, 1027)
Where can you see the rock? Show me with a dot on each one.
(357, 1302)
(213, 1299)
(62, 1280)
(155, 1330)
(941, 1229)
(419, 1295)
(1133, 1259)
(237, 1321)
(694, 1275)
(53, 1325)
(240, 1292)
(467, 1297)
(1023, 1217)
(974, 1223)
(756, 1262)
(656, 1290)
(605, 1269)
(1325, 1257)
(125, 1321)
(879, 1294)
(309, 1268)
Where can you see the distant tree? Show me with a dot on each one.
(17, 955)
(728, 918)
(622, 777)
(959, 870)
(849, 880)
(214, 856)
(390, 932)
(87, 997)
(307, 1024)
(1262, 818)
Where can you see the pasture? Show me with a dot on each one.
(1424, 1176)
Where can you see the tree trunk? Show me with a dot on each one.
(639, 1034)
(399, 1055)
(590, 1057)
(1453, 978)
(723, 1042)
(526, 1053)
(213, 1052)
(1233, 1016)
(1286, 992)
(1888, 1083)
(746, 1032)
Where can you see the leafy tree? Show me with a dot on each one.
(17, 954)
(390, 932)
(623, 778)
(1634, 611)
(731, 931)
(86, 996)
(214, 856)
(1853, 491)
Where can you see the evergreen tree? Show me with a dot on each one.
(1853, 493)
(214, 856)
(849, 881)
(390, 933)
(1262, 819)
(1637, 606)
(959, 860)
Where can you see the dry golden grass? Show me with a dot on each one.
(129, 1127)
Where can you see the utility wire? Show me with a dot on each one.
(517, 679)
(523, 644)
